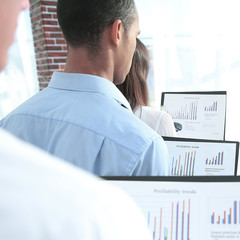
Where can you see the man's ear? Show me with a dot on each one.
(116, 31)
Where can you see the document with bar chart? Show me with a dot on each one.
(177, 209)
(198, 157)
(197, 114)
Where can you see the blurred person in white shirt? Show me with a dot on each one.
(43, 197)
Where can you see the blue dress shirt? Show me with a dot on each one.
(86, 120)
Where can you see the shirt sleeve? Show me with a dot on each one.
(154, 161)
(166, 126)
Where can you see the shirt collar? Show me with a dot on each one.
(87, 83)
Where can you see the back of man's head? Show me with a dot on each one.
(83, 21)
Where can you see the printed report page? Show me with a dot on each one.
(200, 116)
(201, 158)
(188, 210)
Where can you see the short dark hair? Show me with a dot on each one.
(134, 88)
(83, 21)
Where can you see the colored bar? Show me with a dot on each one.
(183, 219)
(181, 171)
(160, 227)
(172, 222)
(172, 165)
(193, 163)
(196, 111)
(188, 222)
(177, 212)
(192, 111)
(229, 216)
(165, 233)
(189, 174)
(212, 220)
(235, 212)
(179, 165)
(187, 164)
(175, 171)
(154, 231)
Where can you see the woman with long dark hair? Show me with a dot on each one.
(135, 90)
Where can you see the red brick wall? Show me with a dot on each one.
(50, 46)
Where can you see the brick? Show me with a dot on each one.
(50, 41)
(51, 29)
(61, 41)
(59, 60)
(53, 66)
(58, 35)
(47, 16)
(43, 8)
(51, 9)
(58, 54)
(50, 22)
(53, 48)
(51, 3)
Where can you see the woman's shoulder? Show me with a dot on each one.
(152, 111)
(158, 120)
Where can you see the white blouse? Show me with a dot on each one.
(43, 197)
(158, 120)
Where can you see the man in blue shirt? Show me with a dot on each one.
(43, 197)
(81, 116)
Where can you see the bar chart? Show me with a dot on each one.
(227, 213)
(183, 165)
(189, 157)
(186, 112)
(201, 115)
(211, 108)
(217, 160)
(171, 221)
(180, 209)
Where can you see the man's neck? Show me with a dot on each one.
(78, 61)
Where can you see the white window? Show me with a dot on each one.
(195, 46)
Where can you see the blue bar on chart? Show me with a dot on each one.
(217, 160)
(179, 226)
(187, 112)
(211, 108)
(184, 167)
(231, 218)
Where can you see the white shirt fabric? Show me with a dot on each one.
(158, 120)
(43, 197)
